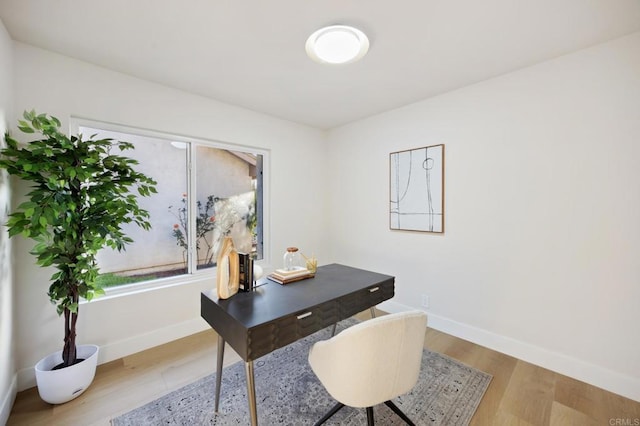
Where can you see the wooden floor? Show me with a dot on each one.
(519, 394)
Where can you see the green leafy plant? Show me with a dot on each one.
(79, 200)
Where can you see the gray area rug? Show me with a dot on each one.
(288, 393)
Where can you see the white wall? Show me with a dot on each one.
(7, 352)
(541, 252)
(64, 87)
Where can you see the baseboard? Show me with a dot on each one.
(578, 369)
(8, 400)
(129, 346)
(149, 340)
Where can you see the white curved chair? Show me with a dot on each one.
(371, 362)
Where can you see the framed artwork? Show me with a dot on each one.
(416, 195)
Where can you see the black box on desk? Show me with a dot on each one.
(246, 272)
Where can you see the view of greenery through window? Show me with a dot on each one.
(195, 208)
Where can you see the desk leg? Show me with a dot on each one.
(251, 392)
(219, 370)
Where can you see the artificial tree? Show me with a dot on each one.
(80, 198)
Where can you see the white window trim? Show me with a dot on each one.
(198, 275)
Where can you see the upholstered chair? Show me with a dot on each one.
(371, 362)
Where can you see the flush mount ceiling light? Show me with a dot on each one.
(337, 44)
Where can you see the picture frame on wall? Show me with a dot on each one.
(416, 189)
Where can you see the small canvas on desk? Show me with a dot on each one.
(416, 189)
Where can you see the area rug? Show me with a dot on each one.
(288, 393)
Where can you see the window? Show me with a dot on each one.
(206, 191)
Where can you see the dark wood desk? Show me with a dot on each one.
(274, 315)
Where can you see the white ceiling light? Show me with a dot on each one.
(337, 44)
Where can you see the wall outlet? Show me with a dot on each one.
(424, 300)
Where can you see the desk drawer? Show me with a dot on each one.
(364, 299)
(268, 337)
(271, 336)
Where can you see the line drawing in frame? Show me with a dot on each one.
(416, 189)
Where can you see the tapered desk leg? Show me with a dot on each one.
(219, 370)
(251, 393)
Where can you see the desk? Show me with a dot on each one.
(274, 315)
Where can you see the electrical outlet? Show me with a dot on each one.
(425, 301)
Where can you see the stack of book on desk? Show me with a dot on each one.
(285, 277)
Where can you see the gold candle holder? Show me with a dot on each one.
(311, 263)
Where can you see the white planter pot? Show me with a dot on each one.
(65, 384)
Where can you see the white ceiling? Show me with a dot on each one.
(251, 52)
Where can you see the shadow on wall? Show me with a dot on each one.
(7, 360)
(5, 259)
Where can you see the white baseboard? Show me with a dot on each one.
(149, 340)
(8, 400)
(129, 346)
(604, 378)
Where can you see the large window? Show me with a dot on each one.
(206, 191)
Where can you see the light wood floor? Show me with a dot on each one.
(519, 394)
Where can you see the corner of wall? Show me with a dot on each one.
(8, 376)
(8, 400)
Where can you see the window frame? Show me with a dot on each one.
(196, 275)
